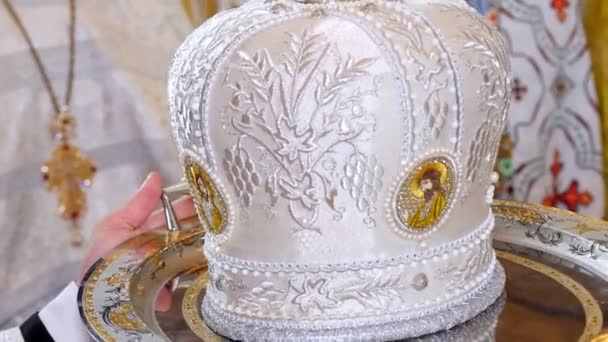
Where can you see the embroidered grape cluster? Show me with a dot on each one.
(363, 179)
(241, 173)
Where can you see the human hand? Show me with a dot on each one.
(137, 216)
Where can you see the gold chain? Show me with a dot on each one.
(34, 52)
(68, 170)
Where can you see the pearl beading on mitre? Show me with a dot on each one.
(442, 252)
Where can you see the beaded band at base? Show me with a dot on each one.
(444, 318)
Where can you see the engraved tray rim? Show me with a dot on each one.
(576, 238)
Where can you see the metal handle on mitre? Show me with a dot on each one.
(180, 188)
(173, 226)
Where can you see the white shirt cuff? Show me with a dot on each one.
(11, 335)
(62, 319)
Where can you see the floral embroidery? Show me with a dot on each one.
(263, 300)
(314, 294)
(292, 142)
(317, 295)
(476, 262)
(267, 114)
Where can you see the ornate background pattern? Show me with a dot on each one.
(551, 151)
(119, 102)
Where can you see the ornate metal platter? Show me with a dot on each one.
(556, 264)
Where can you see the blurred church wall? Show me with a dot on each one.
(552, 151)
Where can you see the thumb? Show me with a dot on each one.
(140, 206)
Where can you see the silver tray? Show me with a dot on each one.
(556, 264)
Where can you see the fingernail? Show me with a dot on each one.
(145, 180)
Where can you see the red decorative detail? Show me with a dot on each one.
(493, 16)
(571, 198)
(75, 215)
(519, 89)
(560, 7)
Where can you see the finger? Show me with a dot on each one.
(163, 300)
(139, 207)
(184, 208)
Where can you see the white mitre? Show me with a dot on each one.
(340, 154)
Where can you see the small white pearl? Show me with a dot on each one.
(494, 177)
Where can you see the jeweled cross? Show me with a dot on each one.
(66, 173)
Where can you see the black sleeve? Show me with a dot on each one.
(33, 330)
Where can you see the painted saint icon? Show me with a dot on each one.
(434, 200)
(425, 194)
(209, 203)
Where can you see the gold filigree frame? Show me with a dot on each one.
(208, 195)
(416, 210)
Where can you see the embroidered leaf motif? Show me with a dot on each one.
(267, 112)
(313, 294)
(264, 299)
(374, 292)
(480, 152)
(436, 111)
(477, 261)
(255, 69)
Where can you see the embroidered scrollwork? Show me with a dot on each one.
(267, 113)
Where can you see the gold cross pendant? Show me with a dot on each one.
(67, 173)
